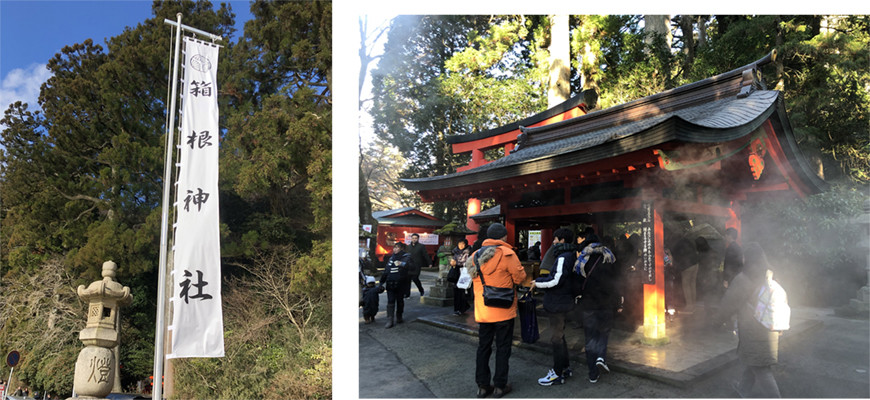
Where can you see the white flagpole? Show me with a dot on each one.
(160, 330)
(164, 225)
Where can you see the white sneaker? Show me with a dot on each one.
(551, 379)
(602, 366)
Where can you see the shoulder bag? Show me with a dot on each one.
(494, 296)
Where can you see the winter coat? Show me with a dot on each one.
(600, 289)
(501, 268)
(685, 254)
(444, 255)
(370, 300)
(534, 253)
(461, 255)
(557, 285)
(549, 256)
(733, 263)
(419, 258)
(757, 346)
(396, 273)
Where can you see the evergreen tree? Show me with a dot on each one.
(448, 75)
(81, 183)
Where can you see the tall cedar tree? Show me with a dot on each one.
(82, 180)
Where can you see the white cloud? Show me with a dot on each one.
(23, 84)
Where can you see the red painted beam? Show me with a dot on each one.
(594, 172)
(579, 208)
(511, 136)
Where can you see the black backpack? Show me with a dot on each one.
(578, 282)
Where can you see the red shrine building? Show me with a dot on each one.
(694, 152)
(398, 225)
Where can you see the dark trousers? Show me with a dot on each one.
(596, 327)
(502, 333)
(560, 346)
(460, 299)
(416, 280)
(761, 375)
(397, 297)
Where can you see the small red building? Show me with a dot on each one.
(694, 152)
(398, 225)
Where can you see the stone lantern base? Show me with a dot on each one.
(862, 303)
(439, 295)
(95, 373)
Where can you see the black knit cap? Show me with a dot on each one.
(496, 231)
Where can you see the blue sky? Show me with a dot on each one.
(32, 32)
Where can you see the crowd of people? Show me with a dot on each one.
(594, 274)
(24, 392)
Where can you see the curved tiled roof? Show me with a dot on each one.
(410, 220)
(491, 212)
(406, 216)
(383, 213)
(716, 121)
(722, 108)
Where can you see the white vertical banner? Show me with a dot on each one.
(197, 321)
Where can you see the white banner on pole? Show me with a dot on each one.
(197, 322)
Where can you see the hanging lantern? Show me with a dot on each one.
(757, 151)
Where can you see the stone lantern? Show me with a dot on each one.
(95, 367)
(442, 293)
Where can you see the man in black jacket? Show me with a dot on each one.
(733, 263)
(419, 259)
(395, 277)
(558, 301)
(686, 265)
(599, 301)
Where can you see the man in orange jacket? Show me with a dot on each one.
(500, 267)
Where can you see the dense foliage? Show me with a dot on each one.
(446, 75)
(817, 246)
(81, 183)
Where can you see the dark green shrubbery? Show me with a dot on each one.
(818, 250)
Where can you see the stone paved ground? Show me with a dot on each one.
(420, 360)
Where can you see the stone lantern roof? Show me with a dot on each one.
(106, 288)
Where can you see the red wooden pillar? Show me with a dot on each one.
(654, 294)
(546, 240)
(473, 208)
(511, 231)
(734, 219)
(476, 158)
(473, 204)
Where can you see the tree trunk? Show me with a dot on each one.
(702, 31)
(779, 78)
(365, 203)
(657, 25)
(686, 27)
(589, 72)
(723, 22)
(816, 24)
(559, 88)
(365, 210)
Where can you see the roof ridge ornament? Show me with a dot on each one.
(751, 80)
(522, 139)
